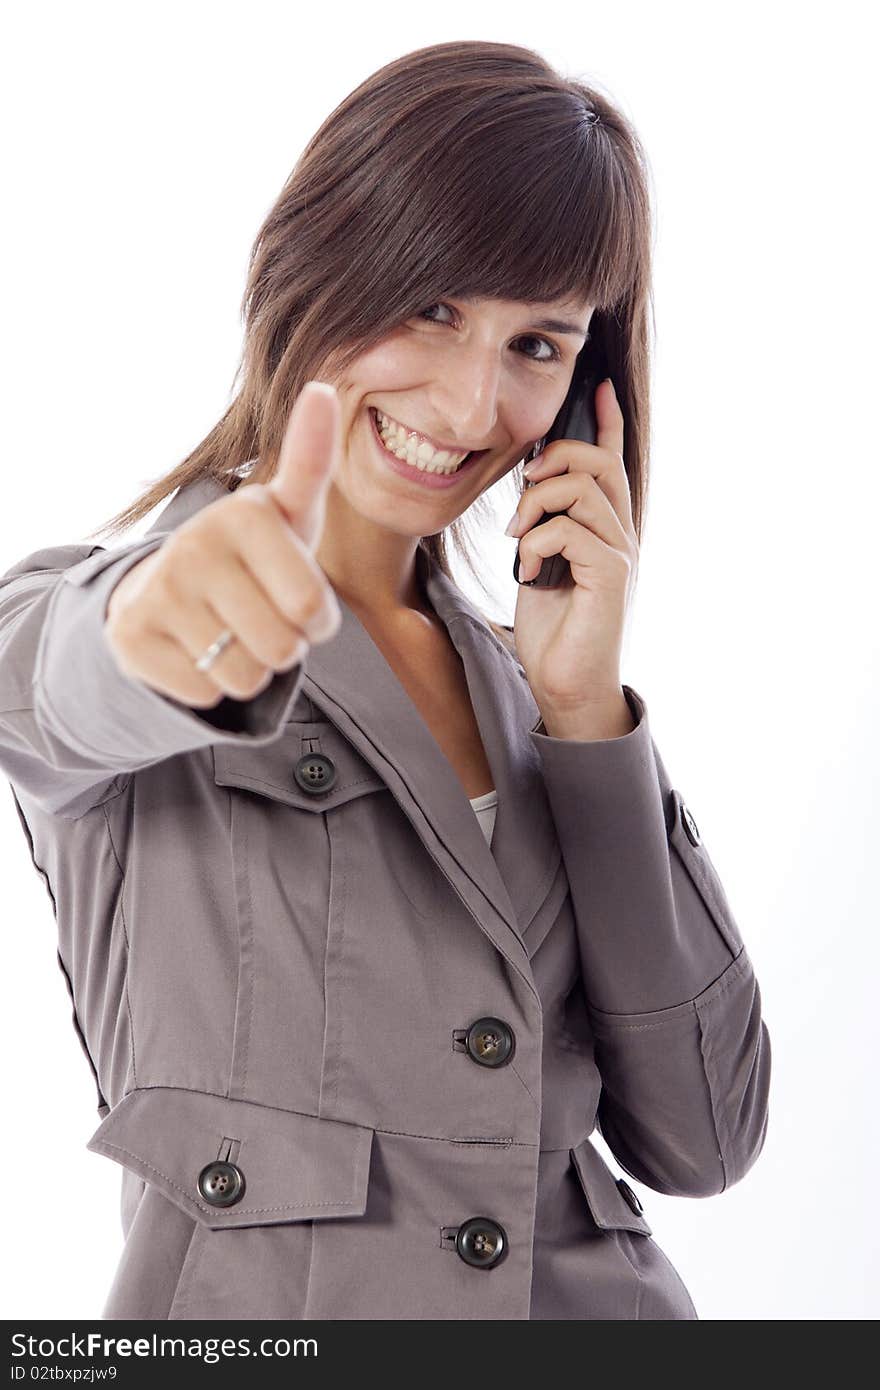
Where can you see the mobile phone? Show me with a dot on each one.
(576, 420)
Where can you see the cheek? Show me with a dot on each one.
(541, 413)
(387, 366)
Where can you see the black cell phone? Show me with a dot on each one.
(576, 420)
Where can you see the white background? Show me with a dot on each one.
(143, 147)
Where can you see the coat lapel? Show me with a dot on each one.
(350, 676)
(349, 679)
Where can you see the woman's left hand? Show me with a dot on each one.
(569, 640)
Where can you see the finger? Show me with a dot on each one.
(261, 644)
(308, 459)
(581, 497)
(288, 574)
(266, 636)
(167, 665)
(563, 536)
(604, 459)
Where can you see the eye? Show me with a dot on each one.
(425, 312)
(554, 353)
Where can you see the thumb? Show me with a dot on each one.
(307, 460)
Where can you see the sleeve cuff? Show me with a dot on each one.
(654, 926)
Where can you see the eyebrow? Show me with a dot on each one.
(552, 325)
(562, 326)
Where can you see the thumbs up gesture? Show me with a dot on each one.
(245, 563)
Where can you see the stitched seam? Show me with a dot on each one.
(127, 945)
(282, 787)
(191, 1262)
(343, 973)
(125, 778)
(337, 855)
(719, 986)
(545, 886)
(248, 908)
(300, 1114)
(521, 1078)
(329, 902)
(253, 958)
(474, 1139)
(714, 1110)
(741, 961)
(645, 1027)
(717, 1110)
(444, 1139)
(612, 1235)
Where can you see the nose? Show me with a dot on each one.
(468, 395)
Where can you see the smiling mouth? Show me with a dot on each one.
(400, 447)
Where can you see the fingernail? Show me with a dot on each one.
(532, 465)
(513, 525)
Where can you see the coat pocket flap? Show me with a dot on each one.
(703, 874)
(294, 1166)
(608, 1205)
(311, 766)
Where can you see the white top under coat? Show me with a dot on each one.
(484, 808)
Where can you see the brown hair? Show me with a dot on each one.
(464, 169)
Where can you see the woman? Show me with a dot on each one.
(351, 1036)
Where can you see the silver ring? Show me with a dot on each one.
(217, 646)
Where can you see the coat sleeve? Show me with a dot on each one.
(73, 727)
(680, 1044)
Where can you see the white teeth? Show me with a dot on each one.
(414, 451)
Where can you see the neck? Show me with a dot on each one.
(370, 566)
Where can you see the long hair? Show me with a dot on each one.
(464, 169)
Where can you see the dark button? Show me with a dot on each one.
(315, 773)
(690, 825)
(221, 1184)
(490, 1042)
(630, 1196)
(481, 1242)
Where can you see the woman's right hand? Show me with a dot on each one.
(245, 562)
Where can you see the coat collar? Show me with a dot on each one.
(350, 680)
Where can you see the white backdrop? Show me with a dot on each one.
(143, 146)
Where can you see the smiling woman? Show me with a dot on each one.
(411, 211)
(349, 1051)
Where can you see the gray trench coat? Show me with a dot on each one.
(348, 1056)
